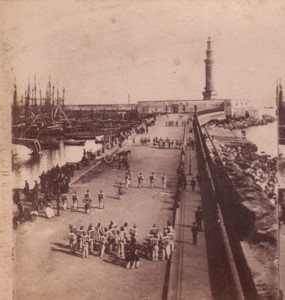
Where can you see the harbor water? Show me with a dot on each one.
(265, 138)
(29, 167)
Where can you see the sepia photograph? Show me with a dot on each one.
(143, 150)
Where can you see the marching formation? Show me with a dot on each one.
(121, 242)
(87, 199)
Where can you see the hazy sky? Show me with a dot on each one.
(103, 50)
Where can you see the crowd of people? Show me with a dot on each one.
(57, 179)
(121, 242)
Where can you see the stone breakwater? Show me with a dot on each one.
(241, 123)
(254, 176)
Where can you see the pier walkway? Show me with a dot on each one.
(45, 269)
(189, 278)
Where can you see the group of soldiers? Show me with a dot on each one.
(160, 244)
(121, 242)
(166, 143)
(160, 142)
(152, 180)
(87, 200)
(174, 123)
(143, 140)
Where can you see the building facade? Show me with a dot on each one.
(235, 108)
(179, 106)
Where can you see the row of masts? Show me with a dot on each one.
(51, 96)
(33, 105)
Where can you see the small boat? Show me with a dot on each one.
(74, 142)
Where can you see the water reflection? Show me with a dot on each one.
(29, 167)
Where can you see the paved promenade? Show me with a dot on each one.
(46, 270)
(189, 277)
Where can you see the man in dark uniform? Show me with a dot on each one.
(182, 180)
(199, 217)
(152, 180)
(193, 184)
(101, 200)
(26, 190)
(195, 230)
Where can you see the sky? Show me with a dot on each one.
(101, 51)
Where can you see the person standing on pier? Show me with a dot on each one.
(75, 200)
(140, 180)
(85, 245)
(72, 240)
(154, 242)
(199, 217)
(101, 199)
(64, 199)
(163, 179)
(182, 180)
(36, 190)
(87, 200)
(127, 180)
(195, 230)
(26, 190)
(165, 245)
(152, 180)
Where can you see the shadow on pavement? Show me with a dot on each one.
(60, 245)
(61, 250)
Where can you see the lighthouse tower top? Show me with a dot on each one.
(209, 93)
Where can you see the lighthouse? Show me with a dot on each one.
(209, 93)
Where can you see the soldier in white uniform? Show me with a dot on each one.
(140, 180)
(134, 231)
(154, 230)
(85, 245)
(127, 180)
(72, 240)
(79, 234)
(165, 246)
(171, 238)
(103, 244)
(122, 241)
(91, 235)
(64, 199)
(154, 241)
